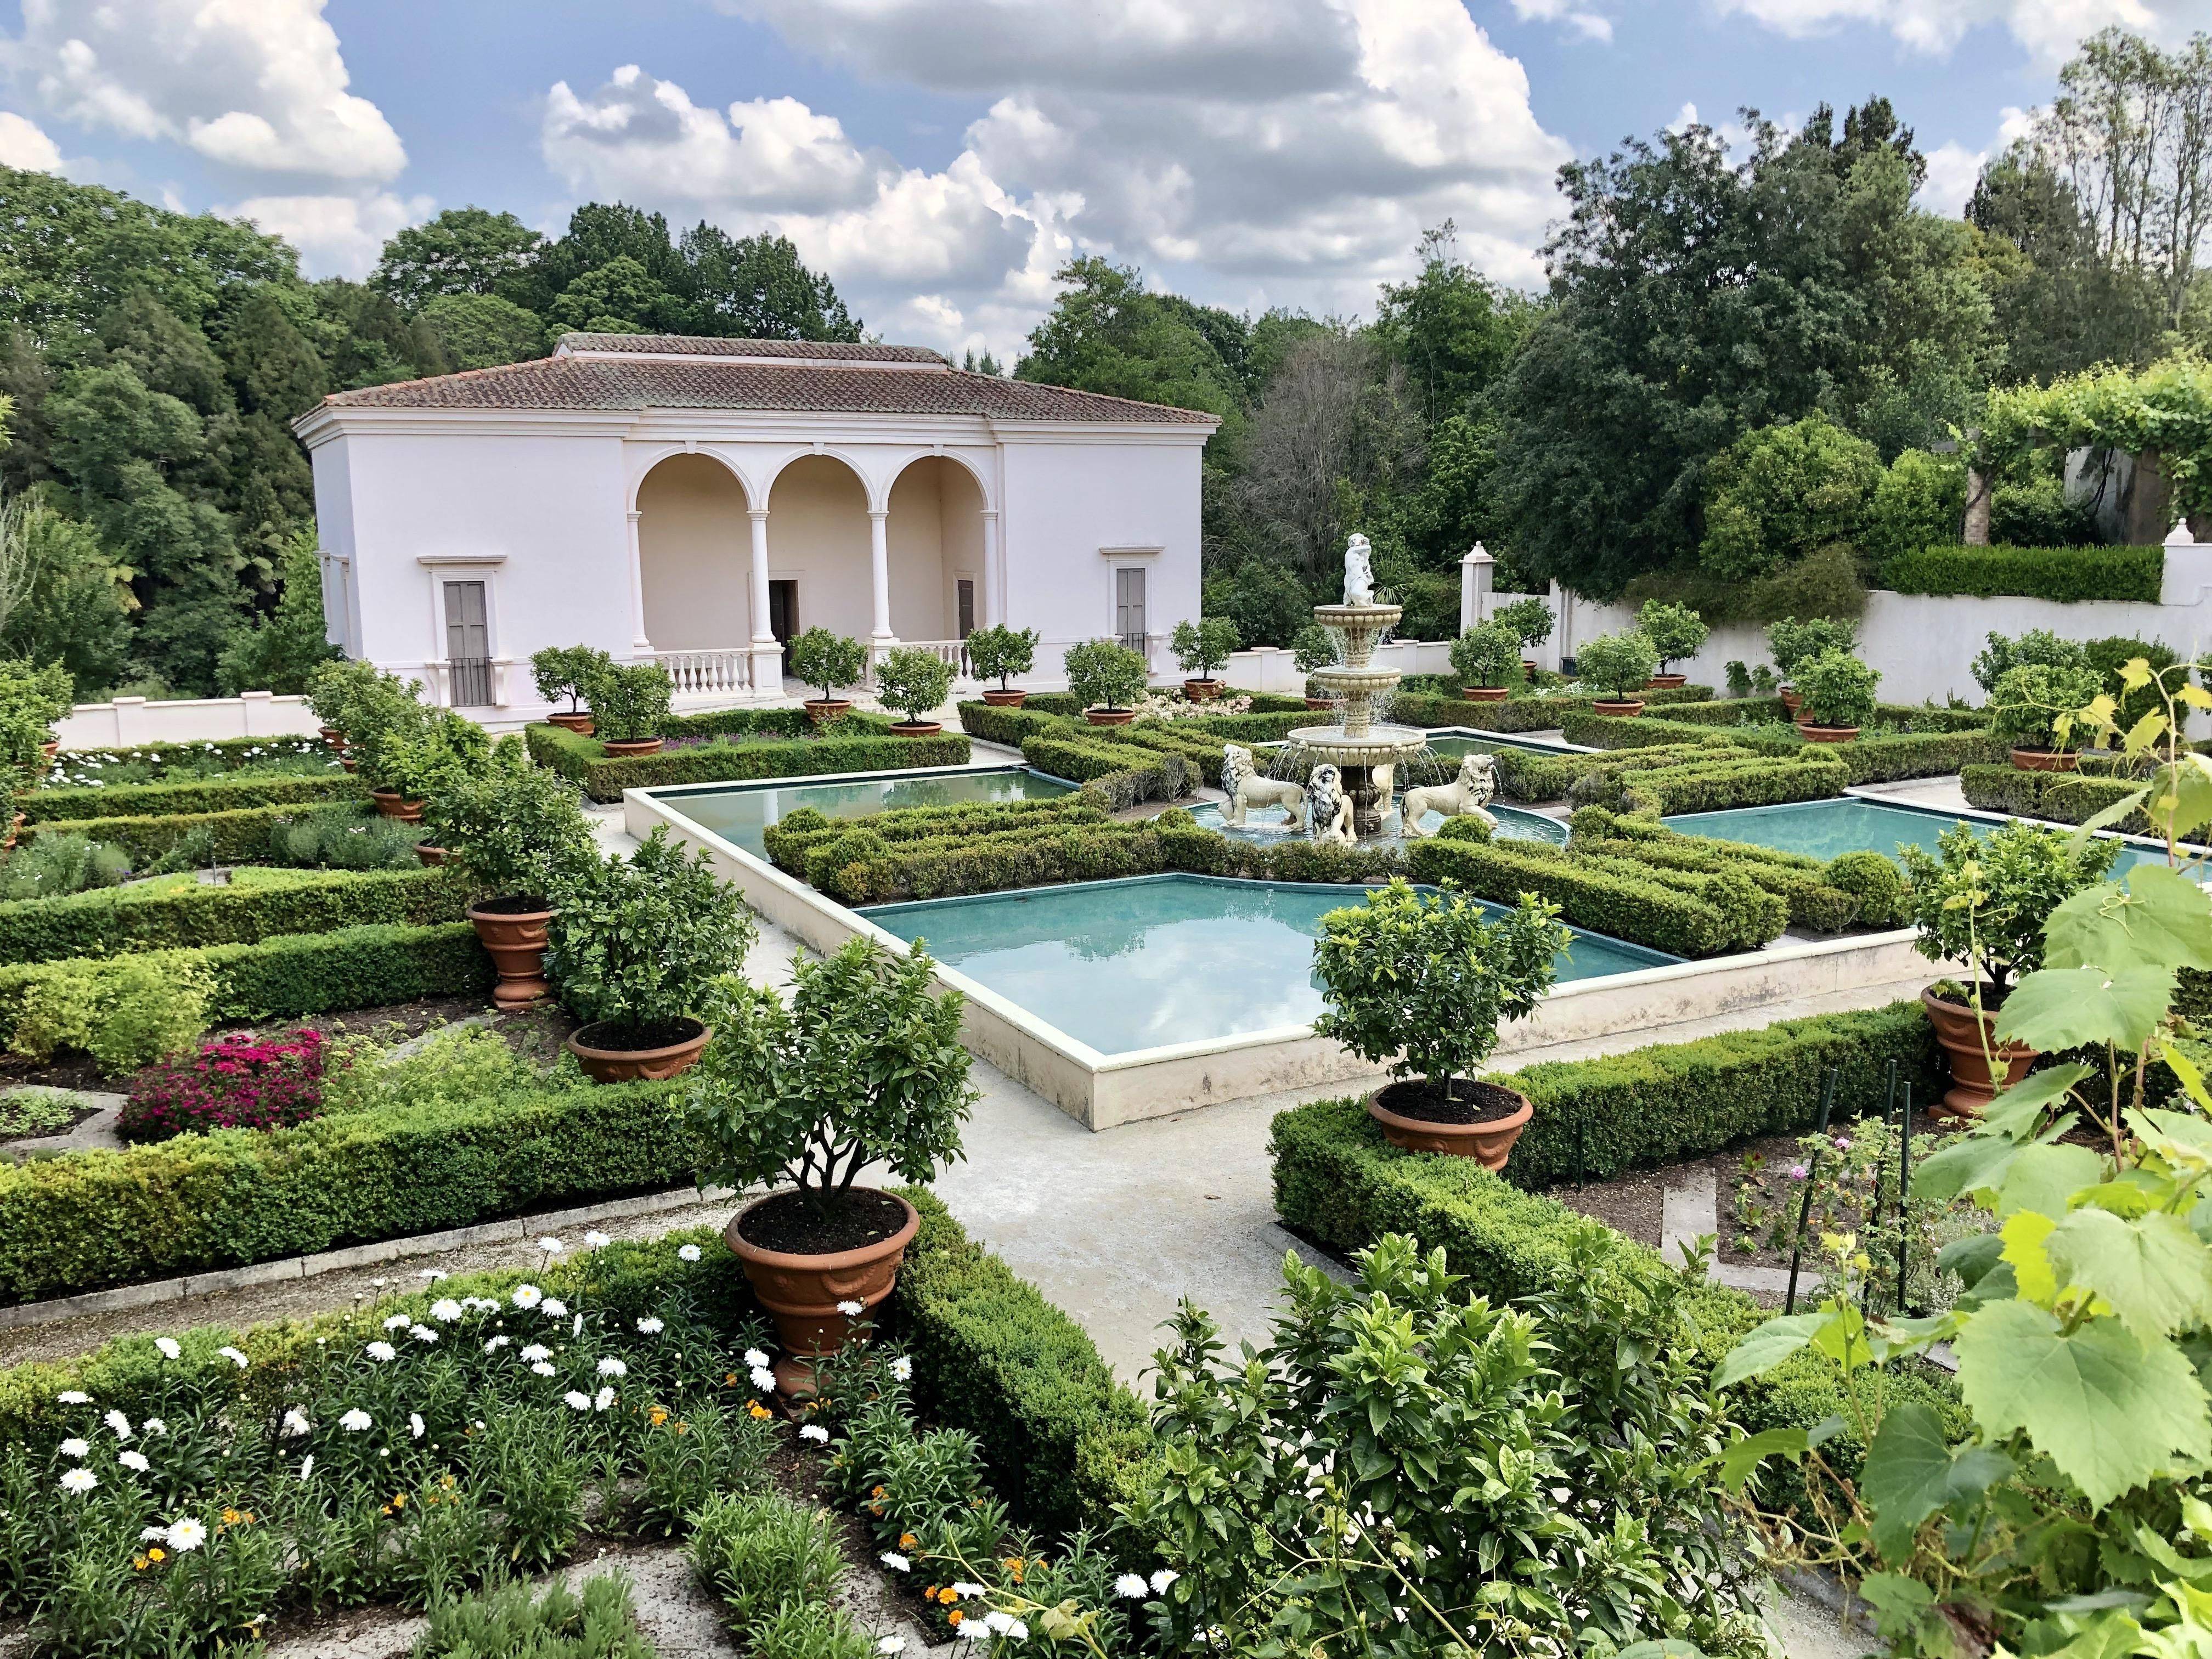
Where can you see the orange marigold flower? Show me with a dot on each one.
(908, 1540)
(954, 1617)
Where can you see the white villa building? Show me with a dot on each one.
(698, 502)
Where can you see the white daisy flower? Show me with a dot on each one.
(398, 1323)
(896, 1562)
(133, 1459)
(444, 1310)
(119, 1422)
(763, 1379)
(432, 1275)
(380, 1352)
(422, 1333)
(355, 1420)
(78, 1482)
(755, 1359)
(1131, 1584)
(493, 1344)
(554, 1308)
(1163, 1578)
(851, 1309)
(551, 1246)
(170, 1349)
(973, 1630)
(535, 1351)
(296, 1423)
(814, 1432)
(890, 1646)
(902, 1369)
(152, 1534)
(612, 1367)
(74, 1446)
(966, 1591)
(578, 1399)
(73, 1397)
(687, 1253)
(153, 1425)
(603, 1398)
(543, 1368)
(188, 1534)
(233, 1356)
(306, 1465)
(527, 1296)
(414, 1425)
(594, 1241)
(649, 1326)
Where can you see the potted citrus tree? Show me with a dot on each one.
(351, 700)
(1200, 647)
(1621, 664)
(1983, 900)
(566, 670)
(515, 833)
(862, 1066)
(43, 696)
(1001, 651)
(1838, 693)
(1531, 620)
(633, 944)
(418, 752)
(914, 682)
(1675, 632)
(629, 701)
(1482, 657)
(1420, 979)
(832, 662)
(2037, 707)
(1793, 643)
(1107, 678)
(1313, 646)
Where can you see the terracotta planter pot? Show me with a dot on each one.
(50, 748)
(515, 940)
(1488, 1143)
(1959, 1033)
(1201, 690)
(14, 829)
(581, 722)
(1322, 705)
(1010, 698)
(631, 748)
(1666, 682)
(393, 806)
(332, 736)
(1792, 700)
(1621, 707)
(916, 728)
(822, 710)
(430, 854)
(801, 1293)
(2045, 760)
(1109, 716)
(349, 763)
(1529, 668)
(1483, 693)
(635, 1064)
(1813, 733)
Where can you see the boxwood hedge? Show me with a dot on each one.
(194, 795)
(240, 837)
(1636, 906)
(2068, 574)
(2060, 797)
(858, 744)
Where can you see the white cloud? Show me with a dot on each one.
(1952, 168)
(23, 145)
(1590, 25)
(336, 236)
(258, 85)
(1289, 151)
(2049, 29)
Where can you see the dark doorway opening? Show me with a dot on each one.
(783, 609)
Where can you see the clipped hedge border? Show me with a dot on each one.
(198, 796)
(1525, 776)
(1126, 773)
(2067, 574)
(870, 749)
(1427, 709)
(240, 837)
(109, 921)
(284, 977)
(1862, 888)
(1713, 785)
(1638, 908)
(2057, 797)
(231, 751)
(1879, 758)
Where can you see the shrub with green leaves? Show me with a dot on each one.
(1530, 619)
(912, 680)
(358, 699)
(125, 1014)
(566, 670)
(827, 661)
(760, 1552)
(2000, 655)
(1794, 643)
(1203, 646)
(420, 750)
(999, 653)
(637, 941)
(53, 865)
(629, 700)
(1984, 900)
(512, 829)
(341, 836)
(1313, 646)
(1778, 492)
(1487, 654)
(2110, 657)
(2067, 575)
(1675, 631)
(1919, 502)
(1619, 665)
(1106, 674)
(1837, 688)
(2034, 706)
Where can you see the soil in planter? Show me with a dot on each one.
(636, 1039)
(788, 1222)
(1475, 1102)
(1992, 998)
(515, 904)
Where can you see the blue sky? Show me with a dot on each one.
(941, 157)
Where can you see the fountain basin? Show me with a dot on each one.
(1379, 745)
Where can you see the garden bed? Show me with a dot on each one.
(725, 752)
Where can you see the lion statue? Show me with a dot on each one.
(1465, 796)
(1242, 782)
(1328, 808)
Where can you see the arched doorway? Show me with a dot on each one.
(694, 554)
(936, 550)
(818, 542)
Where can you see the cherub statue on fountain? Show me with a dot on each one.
(1359, 571)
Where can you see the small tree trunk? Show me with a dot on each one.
(1975, 532)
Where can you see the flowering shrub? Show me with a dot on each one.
(236, 1081)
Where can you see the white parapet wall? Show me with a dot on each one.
(130, 721)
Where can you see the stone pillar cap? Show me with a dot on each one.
(2179, 536)
(1475, 556)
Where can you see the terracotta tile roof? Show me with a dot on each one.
(612, 372)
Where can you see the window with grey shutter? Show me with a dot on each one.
(468, 644)
(1129, 606)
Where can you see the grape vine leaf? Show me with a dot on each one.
(1911, 1474)
(1767, 1346)
(2058, 1008)
(2153, 1272)
(2108, 1412)
(2044, 1176)
(2159, 918)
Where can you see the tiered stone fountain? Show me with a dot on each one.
(1356, 746)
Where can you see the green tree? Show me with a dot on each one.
(599, 234)
(467, 249)
(619, 297)
(73, 604)
(1777, 493)
(756, 288)
(1107, 333)
(1919, 500)
(1452, 328)
(365, 340)
(283, 649)
(481, 330)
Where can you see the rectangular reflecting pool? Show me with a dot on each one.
(741, 812)
(1826, 829)
(1148, 961)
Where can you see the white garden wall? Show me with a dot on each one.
(134, 720)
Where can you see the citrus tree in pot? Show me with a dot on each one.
(1984, 902)
(1792, 643)
(1675, 632)
(830, 662)
(914, 682)
(41, 697)
(1838, 693)
(1200, 647)
(863, 1066)
(1001, 651)
(566, 670)
(1483, 657)
(515, 833)
(1107, 678)
(1620, 664)
(418, 753)
(1530, 619)
(1422, 979)
(629, 700)
(633, 945)
(1313, 646)
(352, 700)
(2037, 707)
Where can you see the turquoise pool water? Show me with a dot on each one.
(1824, 828)
(1456, 744)
(1152, 960)
(740, 813)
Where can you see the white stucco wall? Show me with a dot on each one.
(818, 533)
(695, 551)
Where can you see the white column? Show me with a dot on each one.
(994, 597)
(1476, 573)
(1562, 643)
(639, 644)
(767, 655)
(879, 569)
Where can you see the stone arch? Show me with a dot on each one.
(657, 456)
(818, 538)
(694, 552)
(935, 529)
